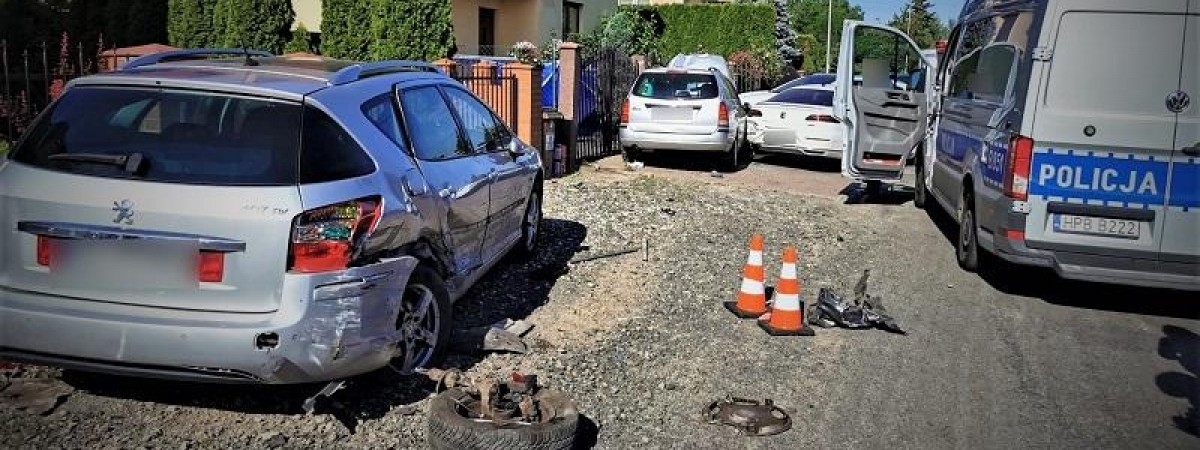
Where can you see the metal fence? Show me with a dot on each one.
(30, 78)
(497, 90)
(604, 82)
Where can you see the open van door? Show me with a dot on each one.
(879, 99)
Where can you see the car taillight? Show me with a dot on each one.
(211, 268)
(324, 239)
(1016, 175)
(45, 250)
(625, 112)
(723, 116)
(822, 118)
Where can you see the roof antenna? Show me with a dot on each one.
(249, 61)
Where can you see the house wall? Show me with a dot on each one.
(308, 12)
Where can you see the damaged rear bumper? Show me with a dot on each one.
(328, 326)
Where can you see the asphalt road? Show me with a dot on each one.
(1016, 358)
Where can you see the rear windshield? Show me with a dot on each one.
(168, 135)
(816, 78)
(804, 97)
(676, 85)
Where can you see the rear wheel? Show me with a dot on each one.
(630, 154)
(921, 191)
(423, 322)
(531, 225)
(967, 248)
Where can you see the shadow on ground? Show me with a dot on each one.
(513, 289)
(1045, 284)
(858, 193)
(1182, 345)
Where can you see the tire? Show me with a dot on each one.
(630, 154)
(449, 430)
(531, 226)
(966, 247)
(920, 190)
(732, 158)
(422, 281)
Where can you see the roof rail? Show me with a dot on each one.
(369, 69)
(173, 55)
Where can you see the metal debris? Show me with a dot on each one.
(503, 336)
(750, 417)
(38, 396)
(310, 404)
(864, 311)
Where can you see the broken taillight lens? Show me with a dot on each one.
(324, 239)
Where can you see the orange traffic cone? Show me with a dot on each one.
(752, 297)
(787, 311)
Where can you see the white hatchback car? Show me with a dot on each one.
(798, 121)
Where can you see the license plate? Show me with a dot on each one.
(124, 264)
(671, 113)
(1098, 226)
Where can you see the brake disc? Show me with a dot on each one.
(749, 417)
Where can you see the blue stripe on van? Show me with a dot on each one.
(1104, 179)
(1185, 184)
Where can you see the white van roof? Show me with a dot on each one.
(701, 61)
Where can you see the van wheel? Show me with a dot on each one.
(967, 248)
(920, 191)
(423, 322)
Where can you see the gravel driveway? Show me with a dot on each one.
(1012, 361)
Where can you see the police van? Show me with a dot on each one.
(1061, 133)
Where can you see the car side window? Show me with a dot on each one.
(328, 152)
(382, 113)
(430, 124)
(483, 130)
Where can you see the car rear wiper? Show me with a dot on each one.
(132, 162)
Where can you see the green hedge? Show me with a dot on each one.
(719, 28)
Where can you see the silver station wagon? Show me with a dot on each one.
(230, 216)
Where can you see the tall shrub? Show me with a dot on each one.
(300, 41)
(716, 28)
(412, 29)
(785, 36)
(190, 23)
(254, 24)
(343, 28)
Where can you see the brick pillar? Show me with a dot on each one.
(447, 66)
(570, 69)
(529, 102)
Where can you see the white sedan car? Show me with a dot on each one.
(798, 121)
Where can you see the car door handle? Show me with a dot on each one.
(1193, 150)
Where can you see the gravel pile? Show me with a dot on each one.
(642, 345)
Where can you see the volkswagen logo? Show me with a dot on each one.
(1178, 101)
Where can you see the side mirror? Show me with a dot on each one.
(515, 147)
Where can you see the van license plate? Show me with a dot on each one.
(1098, 226)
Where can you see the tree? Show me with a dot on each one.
(919, 22)
(785, 36)
(809, 17)
(342, 33)
(116, 23)
(412, 29)
(253, 24)
(300, 41)
(190, 23)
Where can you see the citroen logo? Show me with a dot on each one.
(1178, 101)
(124, 210)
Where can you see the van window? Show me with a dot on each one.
(884, 60)
(181, 136)
(987, 57)
(676, 85)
